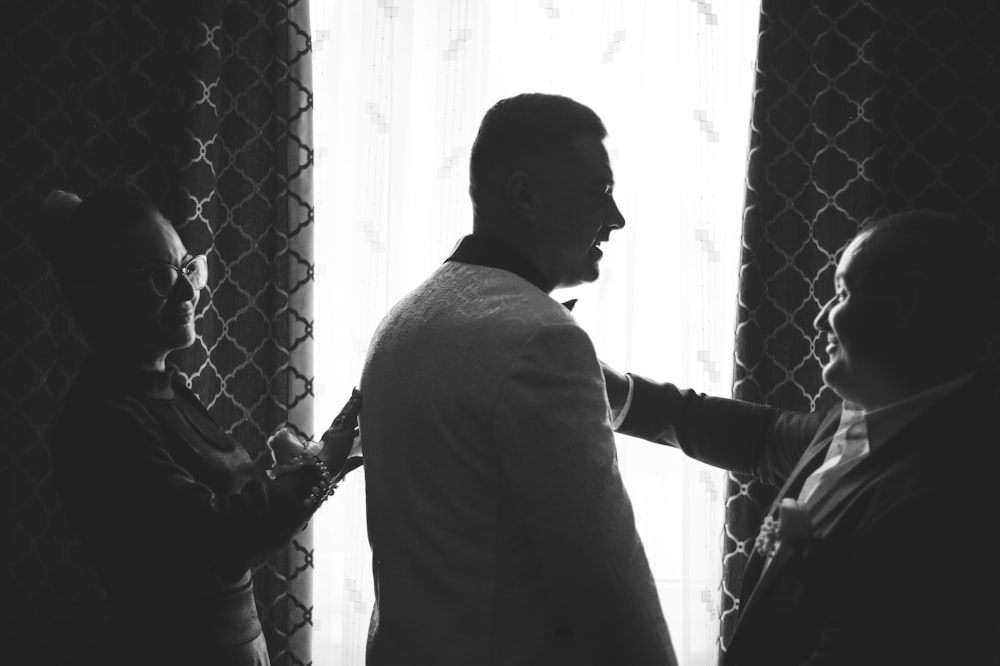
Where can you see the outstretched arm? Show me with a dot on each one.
(732, 434)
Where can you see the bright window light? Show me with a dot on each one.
(400, 87)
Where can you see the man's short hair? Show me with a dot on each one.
(524, 127)
(932, 265)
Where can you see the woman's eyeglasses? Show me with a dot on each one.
(163, 277)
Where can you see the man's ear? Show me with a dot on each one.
(521, 196)
(917, 307)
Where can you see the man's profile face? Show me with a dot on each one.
(860, 326)
(577, 212)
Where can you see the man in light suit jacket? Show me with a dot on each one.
(888, 499)
(501, 532)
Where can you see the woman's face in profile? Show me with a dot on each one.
(147, 323)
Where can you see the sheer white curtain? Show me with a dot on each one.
(400, 87)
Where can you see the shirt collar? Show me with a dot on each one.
(885, 422)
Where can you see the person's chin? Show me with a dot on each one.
(582, 277)
(837, 377)
(591, 271)
(183, 336)
(832, 373)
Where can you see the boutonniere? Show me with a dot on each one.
(792, 524)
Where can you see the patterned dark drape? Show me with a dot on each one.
(205, 105)
(861, 109)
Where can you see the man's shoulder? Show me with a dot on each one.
(948, 450)
(470, 315)
(482, 296)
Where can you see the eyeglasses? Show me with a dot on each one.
(163, 277)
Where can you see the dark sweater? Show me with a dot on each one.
(172, 510)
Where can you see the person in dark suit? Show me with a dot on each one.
(874, 551)
(500, 527)
(173, 511)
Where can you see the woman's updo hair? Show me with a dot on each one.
(78, 237)
(57, 211)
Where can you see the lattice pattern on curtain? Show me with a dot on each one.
(205, 106)
(861, 109)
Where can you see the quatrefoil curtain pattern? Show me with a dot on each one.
(861, 109)
(205, 105)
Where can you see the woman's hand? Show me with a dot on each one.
(340, 445)
(285, 446)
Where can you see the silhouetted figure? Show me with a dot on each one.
(173, 512)
(501, 532)
(885, 501)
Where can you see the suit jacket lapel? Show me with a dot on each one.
(828, 508)
(832, 498)
(825, 506)
(757, 577)
(916, 434)
(811, 459)
(760, 576)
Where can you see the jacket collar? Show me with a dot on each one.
(482, 251)
(811, 458)
(920, 431)
(755, 576)
(816, 452)
(884, 423)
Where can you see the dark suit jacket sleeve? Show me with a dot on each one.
(556, 446)
(731, 434)
(117, 466)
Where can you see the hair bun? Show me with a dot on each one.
(57, 211)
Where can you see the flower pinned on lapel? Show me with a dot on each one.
(793, 521)
(767, 538)
(792, 524)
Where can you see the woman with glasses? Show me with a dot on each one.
(174, 513)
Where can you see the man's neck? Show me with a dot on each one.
(513, 251)
(901, 391)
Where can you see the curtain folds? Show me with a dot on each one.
(860, 109)
(206, 106)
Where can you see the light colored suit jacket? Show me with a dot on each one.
(500, 530)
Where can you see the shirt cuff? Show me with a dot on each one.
(623, 414)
